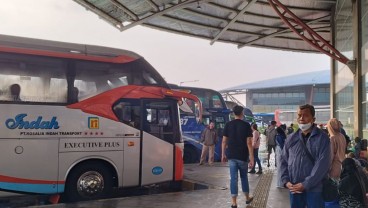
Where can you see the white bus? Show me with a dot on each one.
(81, 120)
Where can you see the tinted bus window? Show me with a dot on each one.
(40, 79)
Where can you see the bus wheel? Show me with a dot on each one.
(190, 154)
(88, 181)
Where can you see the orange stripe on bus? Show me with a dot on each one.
(8, 179)
(179, 164)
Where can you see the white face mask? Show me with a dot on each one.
(305, 127)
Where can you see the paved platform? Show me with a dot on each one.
(216, 177)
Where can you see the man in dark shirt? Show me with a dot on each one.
(237, 138)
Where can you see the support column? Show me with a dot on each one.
(357, 42)
(333, 68)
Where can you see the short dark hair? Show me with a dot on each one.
(238, 110)
(254, 125)
(273, 122)
(310, 107)
(280, 130)
(283, 126)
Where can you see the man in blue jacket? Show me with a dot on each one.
(301, 173)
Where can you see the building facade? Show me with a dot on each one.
(282, 96)
(349, 84)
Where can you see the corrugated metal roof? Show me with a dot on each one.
(309, 78)
(240, 22)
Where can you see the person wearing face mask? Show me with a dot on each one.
(305, 161)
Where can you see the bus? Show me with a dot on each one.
(83, 120)
(263, 119)
(214, 109)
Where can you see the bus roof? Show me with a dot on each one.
(22, 45)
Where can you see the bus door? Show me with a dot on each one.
(129, 112)
(160, 133)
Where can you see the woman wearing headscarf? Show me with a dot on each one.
(352, 186)
(338, 146)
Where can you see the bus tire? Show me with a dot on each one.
(89, 181)
(190, 155)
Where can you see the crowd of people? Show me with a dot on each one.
(309, 160)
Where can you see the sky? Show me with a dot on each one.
(179, 59)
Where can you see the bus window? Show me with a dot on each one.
(159, 120)
(164, 118)
(86, 89)
(58, 90)
(92, 78)
(149, 78)
(128, 112)
(41, 79)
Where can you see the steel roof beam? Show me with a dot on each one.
(229, 9)
(309, 35)
(233, 20)
(296, 7)
(226, 21)
(225, 41)
(153, 5)
(204, 15)
(180, 5)
(111, 20)
(279, 32)
(196, 24)
(126, 10)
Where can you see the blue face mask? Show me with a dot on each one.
(305, 127)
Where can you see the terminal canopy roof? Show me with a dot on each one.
(240, 22)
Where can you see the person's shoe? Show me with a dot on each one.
(234, 206)
(200, 164)
(259, 172)
(252, 172)
(249, 201)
